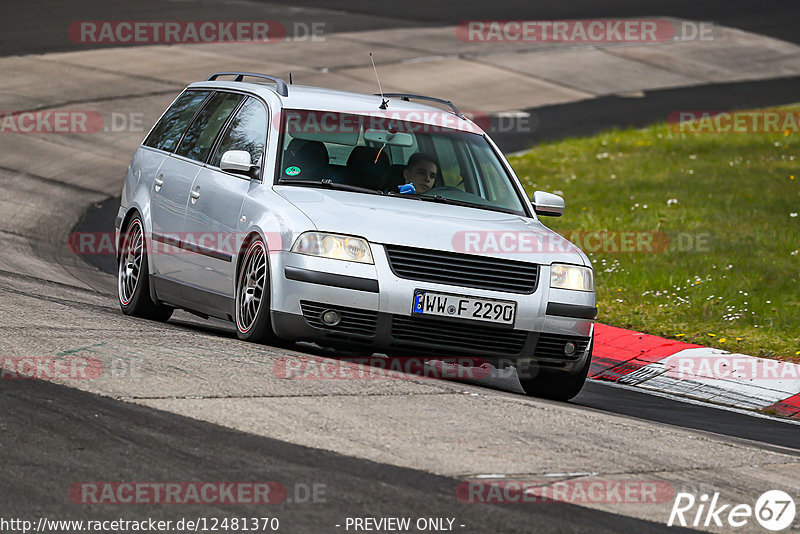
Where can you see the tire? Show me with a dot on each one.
(558, 386)
(252, 296)
(133, 281)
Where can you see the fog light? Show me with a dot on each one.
(569, 348)
(331, 317)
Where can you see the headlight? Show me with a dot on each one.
(337, 247)
(571, 277)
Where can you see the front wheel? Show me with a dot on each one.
(558, 386)
(133, 282)
(252, 296)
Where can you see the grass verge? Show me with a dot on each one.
(720, 214)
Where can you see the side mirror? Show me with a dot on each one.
(547, 204)
(238, 162)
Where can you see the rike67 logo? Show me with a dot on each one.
(774, 510)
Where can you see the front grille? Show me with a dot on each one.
(468, 270)
(354, 321)
(552, 346)
(459, 336)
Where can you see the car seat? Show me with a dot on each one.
(310, 159)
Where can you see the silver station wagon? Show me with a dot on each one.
(375, 223)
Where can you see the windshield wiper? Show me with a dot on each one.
(328, 183)
(445, 200)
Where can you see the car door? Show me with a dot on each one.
(214, 217)
(195, 146)
(170, 186)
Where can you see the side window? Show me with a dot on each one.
(493, 178)
(200, 136)
(447, 159)
(247, 131)
(169, 129)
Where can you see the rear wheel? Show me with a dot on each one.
(252, 296)
(133, 283)
(557, 386)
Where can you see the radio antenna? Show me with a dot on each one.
(384, 102)
(290, 78)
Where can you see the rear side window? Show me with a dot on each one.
(247, 131)
(200, 136)
(169, 129)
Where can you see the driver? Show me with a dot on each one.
(421, 172)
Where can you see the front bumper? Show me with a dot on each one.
(375, 306)
(405, 339)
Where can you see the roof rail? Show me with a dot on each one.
(408, 96)
(282, 88)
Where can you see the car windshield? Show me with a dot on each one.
(385, 154)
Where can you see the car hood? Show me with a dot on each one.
(414, 223)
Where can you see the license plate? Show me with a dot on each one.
(460, 307)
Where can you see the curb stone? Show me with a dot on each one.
(684, 369)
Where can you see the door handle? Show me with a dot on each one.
(159, 182)
(195, 194)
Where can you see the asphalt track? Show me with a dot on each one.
(776, 18)
(587, 117)
(68, 435)
(40, 25)
(596, 395)
(52, 436)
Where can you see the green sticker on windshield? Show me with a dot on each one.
(292, 171)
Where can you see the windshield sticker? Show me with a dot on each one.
(292, 171)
